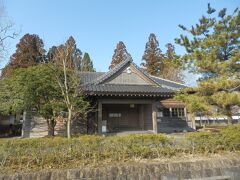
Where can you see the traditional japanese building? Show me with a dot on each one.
(124, 99)
(129, 99)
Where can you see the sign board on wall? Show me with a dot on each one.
(104, 126)
(159, 114)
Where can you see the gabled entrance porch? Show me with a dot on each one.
(118, 115)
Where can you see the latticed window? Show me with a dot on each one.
(166, 112)
(180, 112)
(176, 112)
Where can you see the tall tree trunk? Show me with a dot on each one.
(69, 123)
(51, 126)
(229, 118)
(229, 115)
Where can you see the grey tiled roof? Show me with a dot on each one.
(90, 77)
(113, 71)
(168, 83)
(93, 83)
(162, 82)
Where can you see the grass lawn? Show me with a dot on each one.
(89, 150)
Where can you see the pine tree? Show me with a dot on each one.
(87, 64)
(29, 49)
(152, 56)
(120, 54)
(212, 48)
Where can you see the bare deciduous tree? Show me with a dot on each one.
(6, 31)
(68, 80)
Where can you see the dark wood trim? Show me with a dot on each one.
(99, 117)
(125, 101)
(141, 117)
(113, 94)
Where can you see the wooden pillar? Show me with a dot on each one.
(191, 117)
(154, 117)
(141, 117)
(99, 117)
(185, 113)
(17, 117)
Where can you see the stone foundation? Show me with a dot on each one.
(34, 126)
(218, 168)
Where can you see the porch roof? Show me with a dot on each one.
(115, 89)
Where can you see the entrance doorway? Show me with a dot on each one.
(121, 117)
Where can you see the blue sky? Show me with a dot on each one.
(98, 25)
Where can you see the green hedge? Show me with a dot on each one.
(58, 152)
(227, 139)
(41, 153)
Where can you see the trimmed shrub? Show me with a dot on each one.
(92, 150)
(58, 152)
(226, 139)
(230, 137)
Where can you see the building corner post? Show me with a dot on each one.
(154, 117)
